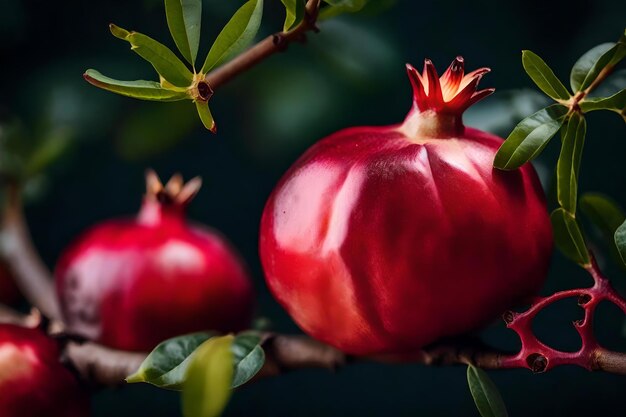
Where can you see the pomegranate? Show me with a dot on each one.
(33, 383)
(380, 240)
(130, 284)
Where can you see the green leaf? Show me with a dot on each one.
(207, 387)
(166, 366)
(144, 90)
(184, 19)
(568, 237)
(543, 76)
(529, 137)
(606, 215)
(620, 241)
(295, 13)
(601, 58)
(164, 61)
(205, 115)
(238, 33)
(616, 103)
(568, 166)
(486, 395)
(249, 357)
(585, 63)
(603, 212)
(337, 7)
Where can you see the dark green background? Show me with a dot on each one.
(351, 73)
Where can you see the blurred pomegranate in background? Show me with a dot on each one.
(384, 239)
(130, 284)
(33, 383)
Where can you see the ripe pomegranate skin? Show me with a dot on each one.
(33, 383)
(132, 283)
(381, 240)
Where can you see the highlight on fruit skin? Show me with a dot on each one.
(132, 283)
(33, 382)
(381, 240)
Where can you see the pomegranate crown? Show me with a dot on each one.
(175, 192)
(451, 93)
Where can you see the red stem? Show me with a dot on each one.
(540, 357)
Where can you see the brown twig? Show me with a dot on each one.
(31, 274)
(101, 365)
(268, 46)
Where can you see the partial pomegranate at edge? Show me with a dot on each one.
(33, 383)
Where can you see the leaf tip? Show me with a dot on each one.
(118, 32)
(135, 378)
(87, 76)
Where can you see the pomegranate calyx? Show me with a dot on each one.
(175, 192)
(452, 93)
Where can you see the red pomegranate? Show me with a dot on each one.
(33, 383)
(380, 240)
(132, 283)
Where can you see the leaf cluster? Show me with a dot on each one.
(179, 79)
(567, 117)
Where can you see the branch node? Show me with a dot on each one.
(280, 42)
(584, 299)
(537, 362)
(509, 316)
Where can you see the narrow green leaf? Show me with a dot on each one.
(164, 61)
(184, 19)
(593, 62)
(205, 115)
(603, 212)
(543, 76)
(166, 366)
(620, 241)
(337, 7)
(568, 237)
(207, 387)
(295, 13)
(568, 166)
(616, 103)
(238, 33)
(606, 215)
(529, 137)
(249, 357)
(144, 90)
(585, 63)
(485, 393)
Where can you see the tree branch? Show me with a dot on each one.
(100, 365)
(30, 273)
(268, 46)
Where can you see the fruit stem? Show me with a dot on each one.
(431, 124)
